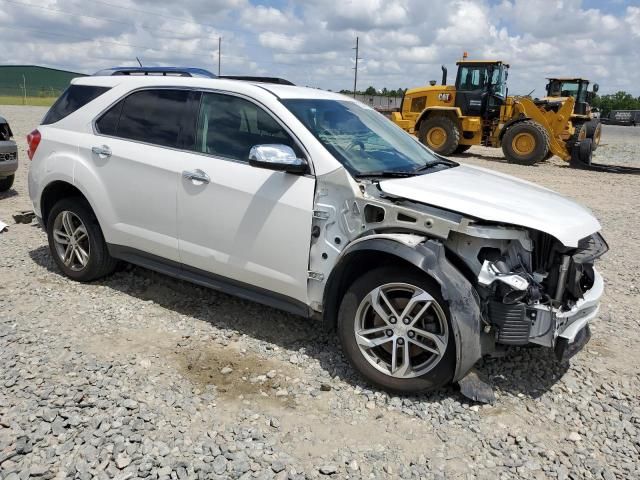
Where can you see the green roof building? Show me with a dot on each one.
(39, 81)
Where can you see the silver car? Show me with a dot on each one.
(8, 156)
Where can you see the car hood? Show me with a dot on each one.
(496, 197)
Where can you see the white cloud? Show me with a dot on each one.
(402, 42)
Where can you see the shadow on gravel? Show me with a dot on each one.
(527, 371)
(477, 155)
(489, 158)
(8, 194)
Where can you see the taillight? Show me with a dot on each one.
(33, 140)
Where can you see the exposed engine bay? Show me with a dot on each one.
(528, 284)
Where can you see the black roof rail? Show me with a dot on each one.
(248, 78)
(161, 71)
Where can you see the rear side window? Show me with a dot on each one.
(108, 122)
(150, 116)
(73, 98)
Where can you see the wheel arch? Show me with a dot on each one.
(454, 113)
(54, 192)
(429, 258)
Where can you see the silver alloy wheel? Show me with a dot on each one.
(401, 330)
(71, 240)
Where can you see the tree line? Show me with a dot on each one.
(385, 92)
(615, 101)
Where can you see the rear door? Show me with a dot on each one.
(246, 224)
(136, 159)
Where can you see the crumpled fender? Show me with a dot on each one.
(429, 256)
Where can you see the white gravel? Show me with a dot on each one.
(142, 376)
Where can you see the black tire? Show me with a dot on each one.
(582, 154)
(451, 130)
(439, 375)
(462, 148)
(99, 263)
(594, 132)
(535, 132)
(6, 183)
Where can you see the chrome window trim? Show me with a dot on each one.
(259, 104)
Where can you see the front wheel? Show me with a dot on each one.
(6, 183)
(395, 330)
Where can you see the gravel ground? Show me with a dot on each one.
(143, 376)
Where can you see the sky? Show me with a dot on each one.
(402, 42)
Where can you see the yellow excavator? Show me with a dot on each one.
(478, 111)
(559, 89)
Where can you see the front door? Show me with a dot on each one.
(249, 225)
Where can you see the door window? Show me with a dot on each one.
(472, 78)
(150, 116)
(229, 126)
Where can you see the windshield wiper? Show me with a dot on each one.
(386, 173)
(435, 163)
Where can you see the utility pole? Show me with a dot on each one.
(219, 53)
(355, 76)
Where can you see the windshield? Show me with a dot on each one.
(360, 138)
(567, 89)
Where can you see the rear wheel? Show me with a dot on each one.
(76, 241)
(525, 143)
(6, 183)
(440, 134)
(594, 132)
(395, 330)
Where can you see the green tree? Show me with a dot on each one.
(617, 101)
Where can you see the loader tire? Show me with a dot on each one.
(581, 154)
(594, 132)
(440, 134)
(525, 143)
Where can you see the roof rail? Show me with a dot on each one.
(249, 78)
(159, 71)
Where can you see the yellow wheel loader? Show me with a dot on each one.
(477, 111)
(559, 89)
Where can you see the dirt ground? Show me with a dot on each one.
(123, 378)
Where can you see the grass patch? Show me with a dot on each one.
(32, 101)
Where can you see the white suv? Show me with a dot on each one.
(313, 203)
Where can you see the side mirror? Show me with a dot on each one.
(277, 157)
(596, 87)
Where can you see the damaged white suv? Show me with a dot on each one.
(313, 203)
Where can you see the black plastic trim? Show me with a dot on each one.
(209, 280)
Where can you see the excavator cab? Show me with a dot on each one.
(481, 88)
(578, 88)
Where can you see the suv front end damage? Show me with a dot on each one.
(506, 284)
(541, 292)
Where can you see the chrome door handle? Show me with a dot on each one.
(196, 176)
(103, 151)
